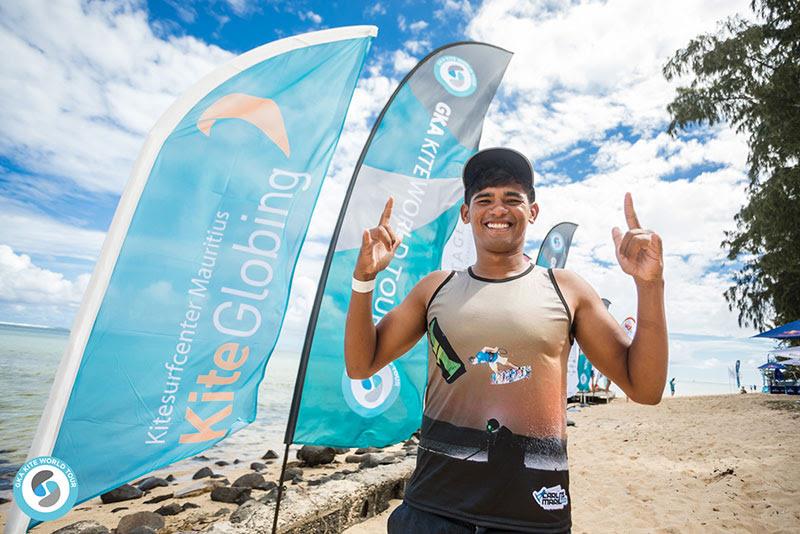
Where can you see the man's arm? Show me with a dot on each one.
(639, 366)
(369, 348)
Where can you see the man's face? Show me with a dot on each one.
(499, 217)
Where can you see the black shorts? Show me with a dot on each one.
(409, 520)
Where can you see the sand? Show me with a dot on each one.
(726, 463)
(723, 463)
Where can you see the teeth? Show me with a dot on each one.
(498, 225)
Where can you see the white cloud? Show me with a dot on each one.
(401, 23)
(34, 233)
(417, 47)
(451, 8)
(582, 68)
(402, 61)
(22, 282)
(240, 7)
(375, 9)
(86, 84)
(417, 26)
(310, 15)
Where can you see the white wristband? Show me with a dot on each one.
(359, 286)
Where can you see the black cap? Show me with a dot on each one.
(515, 162)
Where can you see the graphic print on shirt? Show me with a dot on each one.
(496, 355)
(446, 358)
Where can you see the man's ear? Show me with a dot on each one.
(465, 213)
(534, 213)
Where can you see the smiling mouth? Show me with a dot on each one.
(497, 225)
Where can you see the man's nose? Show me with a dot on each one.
(498, 209)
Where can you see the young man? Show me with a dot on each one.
(493, 454)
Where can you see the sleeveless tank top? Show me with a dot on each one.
(493, 443)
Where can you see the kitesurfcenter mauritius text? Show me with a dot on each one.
(236, 316)
(409, 209)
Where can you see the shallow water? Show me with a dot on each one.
(29, 358)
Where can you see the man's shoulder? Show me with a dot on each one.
(436, 278)
(571, 282)
(430, 283)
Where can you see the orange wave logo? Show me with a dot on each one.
(262, 113)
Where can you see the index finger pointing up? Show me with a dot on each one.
(387, 211)
(630, 214)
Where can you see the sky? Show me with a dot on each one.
(583, 97)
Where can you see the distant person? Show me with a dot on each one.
(672, 387)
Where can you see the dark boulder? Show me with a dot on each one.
(312, 455)
(172, 508)
(156, 500)
(252, 480)
(152, 482)
(139, 519)
(203, 473)
(292, 472)
(83, 527)
(235, 495)
(126, 492)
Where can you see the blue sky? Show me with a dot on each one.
(583, 97)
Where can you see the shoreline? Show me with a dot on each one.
(717, 463)
(189, 504)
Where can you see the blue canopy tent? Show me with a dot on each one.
(778, 380)
(787, 331)
(772, 372)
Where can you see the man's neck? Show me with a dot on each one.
(491, 265)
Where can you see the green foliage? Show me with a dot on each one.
(748, 74)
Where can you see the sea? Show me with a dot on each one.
(29, 358)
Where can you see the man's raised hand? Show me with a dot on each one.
(639, 251)
(378, 246)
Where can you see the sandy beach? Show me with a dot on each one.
(726, 463)
(722, 463)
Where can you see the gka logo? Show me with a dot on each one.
(455, 75)
(374, 395)
(553, 498)
(557, 242)
(45, 488)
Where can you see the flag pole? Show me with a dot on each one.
(323, 279)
